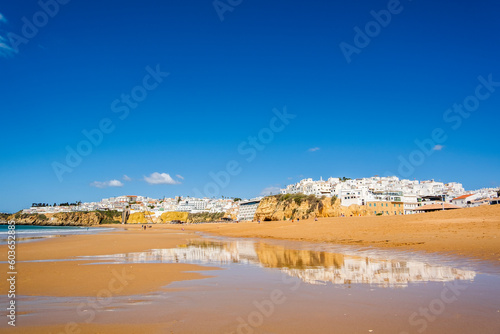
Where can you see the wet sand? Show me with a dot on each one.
(78, 278)
(81, 278)
(473, 233)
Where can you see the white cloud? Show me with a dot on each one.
(126, 178)
(5, 49)
(115, 183)
(438, 147)
(105, 184)
(271, 189)
(313, 149)
(160, 178)
(180, 177)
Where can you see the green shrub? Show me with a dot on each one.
(204, 217)
(286, 197)
(110, 221)
(299, 198)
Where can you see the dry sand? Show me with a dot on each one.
(471, 232)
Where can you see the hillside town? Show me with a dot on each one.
(380, 195)
(411, 195)
(142, 203)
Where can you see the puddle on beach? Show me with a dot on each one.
(324, 288)
(312, 267)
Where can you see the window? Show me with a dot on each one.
(370, 204)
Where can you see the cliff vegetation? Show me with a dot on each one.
(205, 217)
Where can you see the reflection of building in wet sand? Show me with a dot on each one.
(199, 252)
(310, 266)
(320, 267)
(379, 272)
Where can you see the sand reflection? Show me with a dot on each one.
(312, 267)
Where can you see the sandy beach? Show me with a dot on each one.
(468, 233)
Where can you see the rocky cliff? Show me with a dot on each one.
(64, 218)
(148, 217)
(283, 207)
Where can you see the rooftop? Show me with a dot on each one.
(438, 206)
(463, 196)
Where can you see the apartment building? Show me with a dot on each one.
(386, 208)
(248, 209)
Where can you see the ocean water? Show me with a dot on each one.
(26, 233)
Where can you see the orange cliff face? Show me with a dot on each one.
(61, 219)
(149, 217)
(281, 208)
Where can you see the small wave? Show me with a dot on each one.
(51, 231)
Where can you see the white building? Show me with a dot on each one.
(411, 204)
(352, 196)
(310, 187)
(248, 209)
(464, 200)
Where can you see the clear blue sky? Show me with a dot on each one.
(354, 119)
